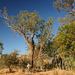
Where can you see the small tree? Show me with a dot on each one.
(1, 47)
(10, 60)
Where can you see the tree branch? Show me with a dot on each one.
(26, 37)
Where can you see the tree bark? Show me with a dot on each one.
(40, 55)
(40, 52)
(32, 51)
(32, 56)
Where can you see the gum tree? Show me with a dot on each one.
(29, 25)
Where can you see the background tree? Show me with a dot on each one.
(65, 39)
(45, 35)
(10, 60)
(49, 49)
(64, 42)
(68, 6)
(23, 61)
(65, 5)
(1, 47)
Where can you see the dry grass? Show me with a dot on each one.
(51, 72)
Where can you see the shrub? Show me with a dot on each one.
(10, 60)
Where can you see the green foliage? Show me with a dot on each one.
(1, 47)
(10, 60)
(68, 6)
(49, 49)
(46, 31)
(65, 39)
(70, 61)
(23, 61)
(25, 22)
(65, 5)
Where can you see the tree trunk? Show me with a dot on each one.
(40, 52)
(32, 45)
(39, 56)
(10, 70)
(32, 56)
(32, 51)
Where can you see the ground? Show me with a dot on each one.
(51, 72)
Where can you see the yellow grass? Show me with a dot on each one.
(51, 72)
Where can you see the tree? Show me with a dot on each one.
(1, 47)
(10, 60)
(28, 25)
(65, 39)
(45, 34)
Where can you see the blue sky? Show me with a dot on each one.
(45, 9)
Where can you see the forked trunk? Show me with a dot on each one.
(32, 45)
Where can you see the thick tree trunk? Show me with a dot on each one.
(32, 50)
(32, 56)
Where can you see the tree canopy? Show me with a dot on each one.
(65, 5)
(65, 39)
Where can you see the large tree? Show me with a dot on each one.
(28, 25)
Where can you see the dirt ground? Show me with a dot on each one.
(51, 72)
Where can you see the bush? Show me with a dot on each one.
(23, 61)
(10, 60)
